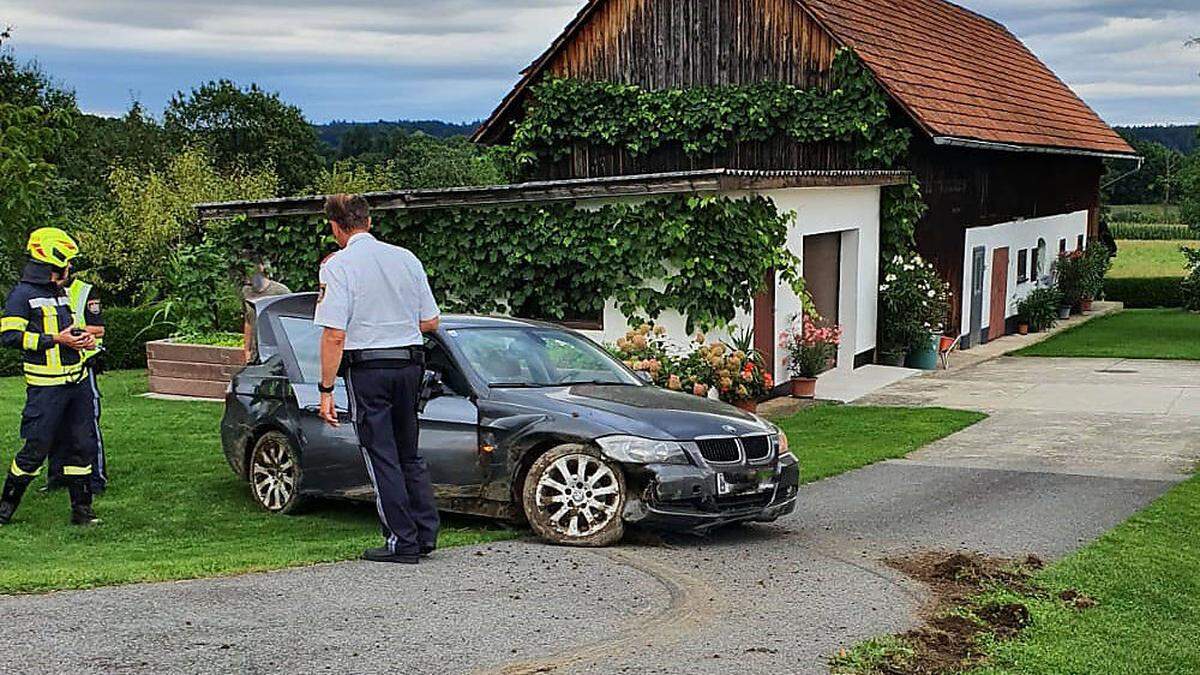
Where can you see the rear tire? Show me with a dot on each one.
(274, 474)
(574, 496)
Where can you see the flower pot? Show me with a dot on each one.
(892, 358)
(1085, 306)
(804, 387)
(749, 405)
(1064, 312)
(925, 358)
(1023, 329)
(945, 343)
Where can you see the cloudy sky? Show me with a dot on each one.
(454, 59)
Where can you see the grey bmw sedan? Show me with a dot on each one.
(522, 421)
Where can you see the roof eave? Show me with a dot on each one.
(961, 142)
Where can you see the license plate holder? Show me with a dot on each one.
(745, 482)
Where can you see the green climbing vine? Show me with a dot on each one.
(705, 257)
(703, 120)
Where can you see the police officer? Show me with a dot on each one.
(58, 401)
(374, 305)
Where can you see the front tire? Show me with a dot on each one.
(574, 496)
(275, 474)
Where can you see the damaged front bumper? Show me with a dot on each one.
(697, 499)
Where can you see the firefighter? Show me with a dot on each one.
(58, 401)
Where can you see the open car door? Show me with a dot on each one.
(333, 460)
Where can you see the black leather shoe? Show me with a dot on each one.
(7, 509)
(426, 550)
(383, 555)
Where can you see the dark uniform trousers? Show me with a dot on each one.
(94, 450)
(384, 397)
(51, 414)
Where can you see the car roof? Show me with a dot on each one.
(301, 302)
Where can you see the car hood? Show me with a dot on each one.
(649, 412)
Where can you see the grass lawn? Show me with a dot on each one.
(832, 439)
(1149, 259)
(1132, 334)
(175, 510)
(1145, 576)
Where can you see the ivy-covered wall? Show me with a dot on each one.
(710, 255)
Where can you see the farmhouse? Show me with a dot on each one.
(823, 107)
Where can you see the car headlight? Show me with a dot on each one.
(637, 450)
(781, 443)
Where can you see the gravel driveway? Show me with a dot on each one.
(1050, 470)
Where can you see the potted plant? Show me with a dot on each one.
(1097, 261)
(1070, 272)
(914, 303)
(809, 349)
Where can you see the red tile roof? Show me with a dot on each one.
(959, 74)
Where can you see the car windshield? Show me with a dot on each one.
(537, 357)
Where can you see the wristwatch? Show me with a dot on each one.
(325, 390)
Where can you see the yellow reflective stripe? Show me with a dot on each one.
(16, 470)
(77, 470)
(37, 369)
(40, 381)
(77, 296)
(13, 323)
(31, 341)
(50, 319)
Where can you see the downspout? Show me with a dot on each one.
(1141, 161)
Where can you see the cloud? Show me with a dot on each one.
(365, 59)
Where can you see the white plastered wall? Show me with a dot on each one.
(852, 211)
(1016, 236)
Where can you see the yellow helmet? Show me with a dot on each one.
(52, 246)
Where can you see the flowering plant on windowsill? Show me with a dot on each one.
(809, 347)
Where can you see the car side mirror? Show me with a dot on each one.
(644, 376)
(431, 388)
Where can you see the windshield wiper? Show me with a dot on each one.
(519, 385)
(609, 383)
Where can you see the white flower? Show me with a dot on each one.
(909, 268)
(890, 278)
(933, 294)
(897, 260)
(884, 287)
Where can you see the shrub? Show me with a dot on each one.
(1157, 232)
(1145, 292)
(1040, 308)
(1190, 288)
(913, 302)
(696, 368)
(127, 330)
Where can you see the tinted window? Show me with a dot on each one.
(305, 338)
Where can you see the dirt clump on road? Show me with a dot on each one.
(949, 639)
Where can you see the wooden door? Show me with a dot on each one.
(823, 273)
(996, 329)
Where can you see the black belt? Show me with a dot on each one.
(398, 356)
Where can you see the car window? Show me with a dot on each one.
(537, 357)
(436, 359)
(305, 338)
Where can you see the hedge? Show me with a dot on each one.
(127, 330)
(1134, 231)
(1145, 292)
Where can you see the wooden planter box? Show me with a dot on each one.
(199, 371)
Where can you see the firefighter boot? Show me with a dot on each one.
(14, 489)
(81, 502)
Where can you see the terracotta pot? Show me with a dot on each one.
(1023, 329)
(804, 387)
(1085, 306)
(749, 405)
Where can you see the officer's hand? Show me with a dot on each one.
(329, 410)
(76, 342)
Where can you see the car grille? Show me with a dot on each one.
(719, 450)
(757, 448)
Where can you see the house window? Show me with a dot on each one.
(1022, 266)
(1062, 245)
(1079, 243)
(1039, 260)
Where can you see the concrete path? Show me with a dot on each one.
(1038, 477)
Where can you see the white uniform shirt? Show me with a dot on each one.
(377, 293)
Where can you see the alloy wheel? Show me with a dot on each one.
(273, 473)
(579, 495)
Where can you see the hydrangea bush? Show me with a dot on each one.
(697, 367)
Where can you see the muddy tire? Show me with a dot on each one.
(274, 474)
(574, 496)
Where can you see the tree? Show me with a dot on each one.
(1157, 181)
(246, 129)
(134, 141)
